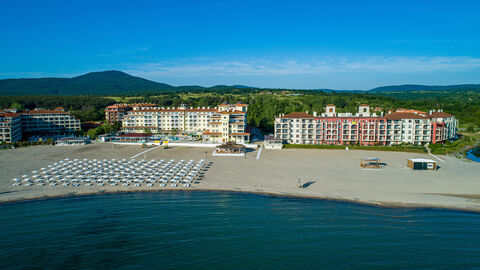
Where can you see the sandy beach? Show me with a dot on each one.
(333, 174)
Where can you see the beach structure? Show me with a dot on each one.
(421, 164)
(72, 141)
(365, 128)
(132, 137)
(370, 162)
(269, 142)
(226, 122)
(10, 126)
(230, 149)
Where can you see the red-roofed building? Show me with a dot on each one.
(364, 128)
(10, 126)
(116, 113)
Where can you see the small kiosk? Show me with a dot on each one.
(422, 164)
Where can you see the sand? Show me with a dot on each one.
(333, 174)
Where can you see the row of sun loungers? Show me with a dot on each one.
(115, 172)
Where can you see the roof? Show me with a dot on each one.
(45, 112)
(144, 105)
(331, 105)
(404, 115)
(231, 145)
(240, 103)
(212, 133)
(134, 135)
(298, 115)
(409, 111)
(232, 112)
(439, 115)
(117, 106)
(364, 105)
(9, 114)
(421, 160)
(239, 133)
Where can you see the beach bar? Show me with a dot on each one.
(422, 164)
(370, 162)
(230, 149)
(132, 137)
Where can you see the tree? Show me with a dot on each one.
(107, 128)
(18, 106)
(147, 131)
(470, 129)
(116, 126)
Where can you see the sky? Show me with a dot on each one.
(278, 44)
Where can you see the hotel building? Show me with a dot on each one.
(365, 128)
(226, 122)
(39, 121)
(10, 126)
(116, 113)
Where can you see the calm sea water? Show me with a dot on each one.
(207, 230)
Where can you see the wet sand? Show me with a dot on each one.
(332, 174)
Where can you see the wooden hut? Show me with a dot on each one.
(422, 164)
(230, 148)
(370, 162)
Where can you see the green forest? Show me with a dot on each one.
(265, 105)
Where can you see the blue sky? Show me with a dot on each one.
(286, 44)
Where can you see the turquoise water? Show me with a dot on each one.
(474, 154)
(209, 230)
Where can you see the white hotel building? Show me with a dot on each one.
(226, 122)
(365, 128)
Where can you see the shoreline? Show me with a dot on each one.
(390, 205)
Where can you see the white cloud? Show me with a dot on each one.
(279, 67)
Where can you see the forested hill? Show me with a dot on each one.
(105, 82)
(416, 87)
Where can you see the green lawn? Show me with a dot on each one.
(400, 148)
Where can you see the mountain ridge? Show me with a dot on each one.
(117, 83)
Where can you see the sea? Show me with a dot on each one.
(222, 230)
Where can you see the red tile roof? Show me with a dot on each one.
(409, 111)
(439, 115)
(242, 133)
(298, 115)
(9, 114)
(45, 112)
(212, 133)
(404, 115)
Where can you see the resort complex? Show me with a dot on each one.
(10, 126)
(365, 128)
(15, 125)
(226, 122)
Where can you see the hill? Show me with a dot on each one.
(417, 87)
(104, 82)
(119, 83)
